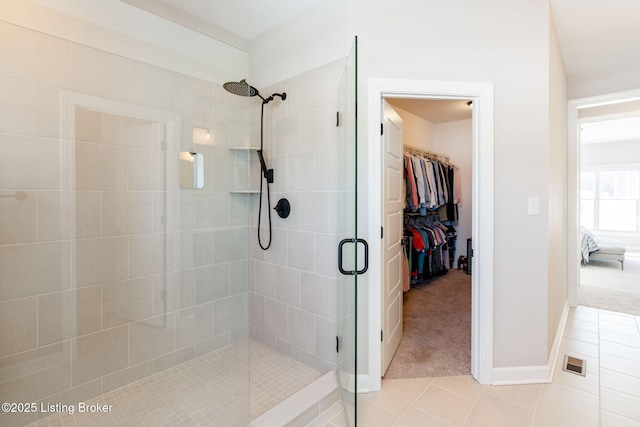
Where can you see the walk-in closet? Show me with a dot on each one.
(435, 250)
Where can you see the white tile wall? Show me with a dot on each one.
(18, 219)
(18, 325)
(109, 272)
(293, 283)
(108, 269)
(33, 269)
(65, 315)
(29, 162)
(18, 112)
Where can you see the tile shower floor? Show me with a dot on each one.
(211, 390)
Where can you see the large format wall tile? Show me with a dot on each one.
(151, 338)
(30, 162)
(19, 382)
(34, 269)
(18, 218)
(101, 260)
(69, 314)
(18, 113)
(18, 327)
(194, 325)
(109, 272)
(99, 354)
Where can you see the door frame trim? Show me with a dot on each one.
(482, 95)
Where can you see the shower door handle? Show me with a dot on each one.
(366, 257)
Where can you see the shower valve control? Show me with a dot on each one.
(283, 208)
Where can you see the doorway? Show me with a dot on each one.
(575, 108)
(482, 157)
(609, 170)
(427, 219)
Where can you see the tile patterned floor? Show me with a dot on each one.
(212, 390)
(608, 396)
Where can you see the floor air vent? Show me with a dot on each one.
(575, 365)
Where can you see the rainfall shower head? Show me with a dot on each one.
(241, 88)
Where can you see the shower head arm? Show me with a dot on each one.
(282, 96)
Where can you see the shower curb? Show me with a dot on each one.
(295, 405)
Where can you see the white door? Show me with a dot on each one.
(391, 234)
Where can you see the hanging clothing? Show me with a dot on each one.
(410, 179)
(431, 255)
(406, 270)
(420, 182)
(457, 193)
(432, 185)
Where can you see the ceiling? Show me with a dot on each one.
(245, 18)
(597, 37)
(434, 111)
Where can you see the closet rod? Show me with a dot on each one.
(428, 154)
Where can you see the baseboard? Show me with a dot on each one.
(347, 381)
(363, 384)
(521, 375)
(534, 374)
(555, 349)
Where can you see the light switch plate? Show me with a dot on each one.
(534, 206)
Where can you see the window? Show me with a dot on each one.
(587, 199)
(609, 199)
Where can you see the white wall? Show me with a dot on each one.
(557, 186)
(506, 43)
(312, 39)
(454, 139)
(417, 132)
(586, 86)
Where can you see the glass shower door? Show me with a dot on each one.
(350, 247)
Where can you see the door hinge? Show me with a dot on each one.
(381, 129)
(337, 344)
(381, 336)
(382, 232)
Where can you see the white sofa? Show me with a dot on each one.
(609, 249)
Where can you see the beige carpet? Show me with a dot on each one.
(436, 339)
(603, 285)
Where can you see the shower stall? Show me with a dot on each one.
(133, 287)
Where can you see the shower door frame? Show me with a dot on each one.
(349, 246)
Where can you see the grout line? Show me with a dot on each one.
(420, 394)
(535, 408)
